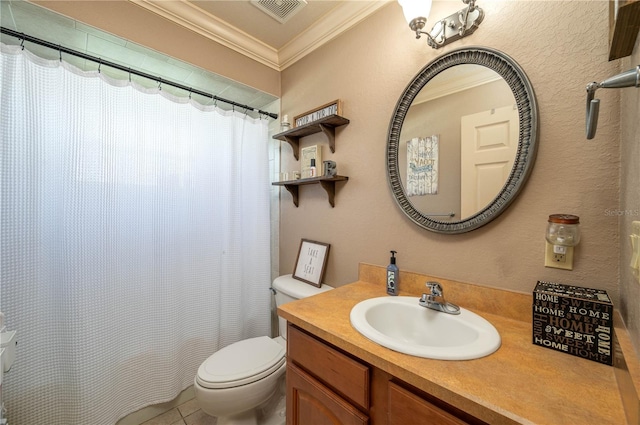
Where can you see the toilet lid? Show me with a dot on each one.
(241, 363)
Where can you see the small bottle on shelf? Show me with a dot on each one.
(285, 125)
(312, 168)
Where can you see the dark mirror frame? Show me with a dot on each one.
(522, 90)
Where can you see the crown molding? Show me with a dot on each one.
(339, 20)
(189, 16)
(458, 84)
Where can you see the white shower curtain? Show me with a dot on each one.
(134, 240)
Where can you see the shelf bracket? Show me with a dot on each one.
(330, 188)
(295, 145)
(293, 190)
(330, 132)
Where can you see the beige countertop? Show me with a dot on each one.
(520, 383)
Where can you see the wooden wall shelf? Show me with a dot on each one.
(623, 30)
(326, 125)
(327, 183)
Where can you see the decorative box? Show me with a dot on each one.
(574, 320)
(307, 154)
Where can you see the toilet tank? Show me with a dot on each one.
(289, 289)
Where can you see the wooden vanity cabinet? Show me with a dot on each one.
(326, 386)
(406, 407)
(310, 402)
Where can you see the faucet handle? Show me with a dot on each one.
(435, 300)
(435, 288)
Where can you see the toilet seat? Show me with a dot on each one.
(241, 363)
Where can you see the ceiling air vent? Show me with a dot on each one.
(280, 10)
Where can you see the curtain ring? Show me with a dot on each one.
(129, 75)
(160, 84)
(190, 88)
(22, 43)
(99, 65)
(60, 51)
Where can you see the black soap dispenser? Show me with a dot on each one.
(392, 275)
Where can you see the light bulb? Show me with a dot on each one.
(413, 9)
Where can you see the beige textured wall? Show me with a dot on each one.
(630, 197)
(561, 45)
(125, 19)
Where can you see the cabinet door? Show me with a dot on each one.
(406, 407)
(310, 402)
(345, 376)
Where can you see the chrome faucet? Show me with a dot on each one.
(435, 300)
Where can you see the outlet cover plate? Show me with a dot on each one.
(635, 249)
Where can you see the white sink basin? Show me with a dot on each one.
(401, 324)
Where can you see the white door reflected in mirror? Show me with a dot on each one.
(488, 148)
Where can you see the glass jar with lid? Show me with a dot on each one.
(563, 230)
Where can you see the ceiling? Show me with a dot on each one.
(243, 27)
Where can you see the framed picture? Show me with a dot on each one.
(331, 108)
(311, 261)
(307, 154)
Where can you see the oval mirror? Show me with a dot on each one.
(462, 140)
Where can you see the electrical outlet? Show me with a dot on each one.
(559, 257)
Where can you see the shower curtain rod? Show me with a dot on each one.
(61, 49)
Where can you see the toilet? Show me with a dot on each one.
(236, 381)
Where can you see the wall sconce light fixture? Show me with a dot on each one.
(447, 30)
(563, 233)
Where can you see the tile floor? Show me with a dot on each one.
(187, 413)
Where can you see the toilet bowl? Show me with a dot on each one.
(236, 381)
